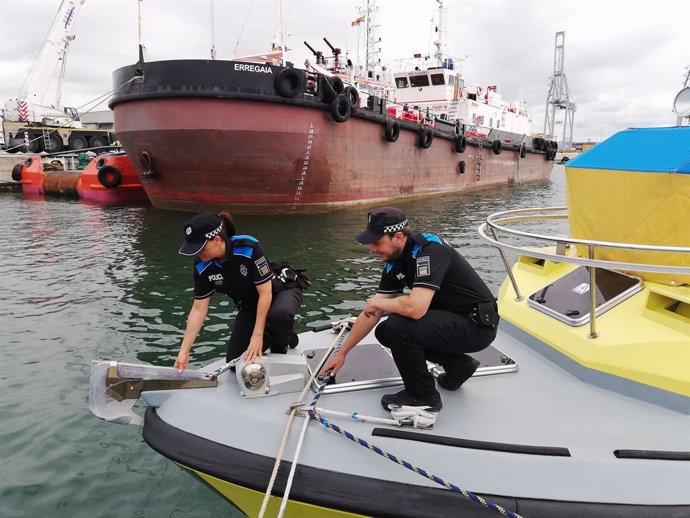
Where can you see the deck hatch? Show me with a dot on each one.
(568, 298)
(370, 365)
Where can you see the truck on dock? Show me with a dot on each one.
(30, 124)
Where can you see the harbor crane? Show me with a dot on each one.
(559, 98)
(36, 120)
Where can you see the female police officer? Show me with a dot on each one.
(237, 266)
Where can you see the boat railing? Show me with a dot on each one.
(498, 224)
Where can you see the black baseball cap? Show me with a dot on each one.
(380, 222)
(198, 230)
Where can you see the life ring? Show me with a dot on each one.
(353, 96)
(461, 167)
(537, 143)
(425, 137)
(523, 150)
(496, 146)
(460, 143)
(392, 131)
(109, 176)
(290, 82)
(146, 163)
(340, 108)
(17, 172)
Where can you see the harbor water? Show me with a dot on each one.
(82, 281)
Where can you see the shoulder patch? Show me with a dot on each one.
(262, 266)
(423, 266)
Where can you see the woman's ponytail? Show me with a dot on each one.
(228, 225)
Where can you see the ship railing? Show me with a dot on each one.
(498, 224)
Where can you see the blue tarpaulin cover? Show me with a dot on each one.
(654, 150)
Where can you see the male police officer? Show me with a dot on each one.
(449, 311)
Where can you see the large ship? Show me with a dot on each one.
(251, 135)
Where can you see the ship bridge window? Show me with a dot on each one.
(422, 80)
(437, 79)
(401, 82)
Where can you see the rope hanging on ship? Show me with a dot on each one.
(420, 471)
(313, 412)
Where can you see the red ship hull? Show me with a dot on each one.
(213, 135)
(254, 156)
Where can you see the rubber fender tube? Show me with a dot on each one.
(496, 147)
(392, 131)
(425, 138)
(353, 96)
(461, 167)
(523, 150)
(290, 82)
(340, 108)
(538, 143)
(109, 176)
(460, 144)
(17, 172)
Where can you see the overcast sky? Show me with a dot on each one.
(624, 60)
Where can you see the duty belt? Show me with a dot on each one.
(484, 314)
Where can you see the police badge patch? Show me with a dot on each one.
(423, 266)
(243, 270)
(262, 266)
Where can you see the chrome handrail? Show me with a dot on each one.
(497, 222)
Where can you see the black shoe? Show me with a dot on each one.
(458, 373)
(403, 398)
(293, 340)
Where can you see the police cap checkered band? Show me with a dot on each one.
(382, 221)
(395, 228)
(198, 230)
(215, 232)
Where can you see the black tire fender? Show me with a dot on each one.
(538, 143)
(290, 82)
(391, 131)
(460, 144)
(340, 108)
(523, 150)
(425, 137)
(332, 87)
(17, 172)
(353, 96)
(496, 146)
(109, 176)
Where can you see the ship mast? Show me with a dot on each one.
(279, 39)
(440, 42)
(373, 40)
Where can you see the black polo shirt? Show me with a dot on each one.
(430, 262)
(245, 267)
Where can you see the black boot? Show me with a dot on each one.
(458, 372)
(403, 398)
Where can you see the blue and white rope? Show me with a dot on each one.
(420, 471)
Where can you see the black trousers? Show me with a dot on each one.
(279, 324)
(439, 336)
